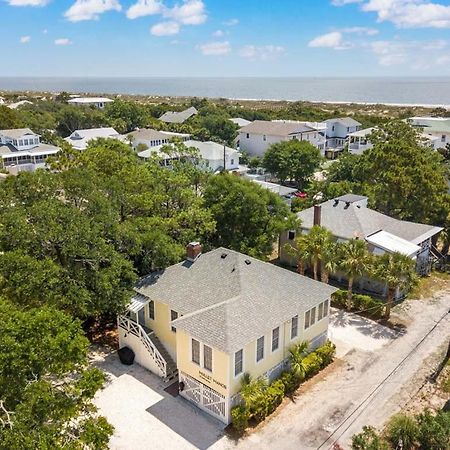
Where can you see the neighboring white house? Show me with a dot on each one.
(22, 150)
(17, 104)
(178, 117)
(154, 138)
(210, 152)
(338, 130)
(435, 127)
(79, 139)
(256, 137)
(98, 102)
(359, 142)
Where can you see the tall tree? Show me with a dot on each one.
(354, 261)
(319, 242)
(397, 271)
(46, 387)
(248, 217)
(407, 179)
(292, 160)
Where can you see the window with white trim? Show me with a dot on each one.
(151, 310)
(238, 362)
(325, 308)
(294, 327)
(275, 338)
(195, 351)
(207, 357)
(173, 316)
(320, 312)
(291, 235)
(307, 318)
(260, 349)
(313, 316)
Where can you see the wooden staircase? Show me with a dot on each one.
(171, 366)
(148, 339)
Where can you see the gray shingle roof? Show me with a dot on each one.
(219, 296)
(16, 133)
(275, 128)
(178, 117)
(358, 221)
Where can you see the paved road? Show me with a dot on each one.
(365, 390)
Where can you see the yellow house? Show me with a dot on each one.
(217, 315)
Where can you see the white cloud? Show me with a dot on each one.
(63, 41)
(190, 12)
(215, 48)
(231, 22)
(406, 13)
(25, 39)
(218, 33)
(145, 8)
(28, 2)
(165, 29)
(90, 9)
(263, 52)
(334, 40)
(417, 55)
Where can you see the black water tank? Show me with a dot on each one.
(126, 356)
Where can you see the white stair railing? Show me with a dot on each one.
(132, 327)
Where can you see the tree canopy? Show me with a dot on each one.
(292, 160)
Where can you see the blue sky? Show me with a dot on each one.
(225, 37)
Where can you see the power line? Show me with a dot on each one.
(360, 407)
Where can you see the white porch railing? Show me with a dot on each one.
(132, 327)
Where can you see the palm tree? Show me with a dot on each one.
(319, 240)
(398, 271)
(329, 261)
(354, 260)
(252, 388)
(296, 355)
(300, 252)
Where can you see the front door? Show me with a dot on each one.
(141, 316)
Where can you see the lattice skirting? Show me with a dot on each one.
(205, 398)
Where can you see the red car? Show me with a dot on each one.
(301, 194)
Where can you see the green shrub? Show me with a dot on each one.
(290, 382)
(259, 407)
(275, 394)
(326, 352)
(339, 299)
(404, 428)
(239, 418)
(434, 431)
(368, 439)
(313, 363)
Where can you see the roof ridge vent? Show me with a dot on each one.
(347, 205)
(224, 255)
(336, 202)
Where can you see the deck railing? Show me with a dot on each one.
(132, 327)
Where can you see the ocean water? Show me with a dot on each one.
(390, 90)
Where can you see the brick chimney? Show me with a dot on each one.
(193, 251)
(317, 214)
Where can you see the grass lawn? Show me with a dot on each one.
(428, 286)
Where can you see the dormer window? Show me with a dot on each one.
(20, 142)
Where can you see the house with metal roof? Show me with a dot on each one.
(21, 150)
(80, 139)
(215, 316)
(96, 102)
(348, 217)
(178, 116)
(256, 137)
(435, 127)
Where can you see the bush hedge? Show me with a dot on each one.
(265, 402)
(363, 304)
